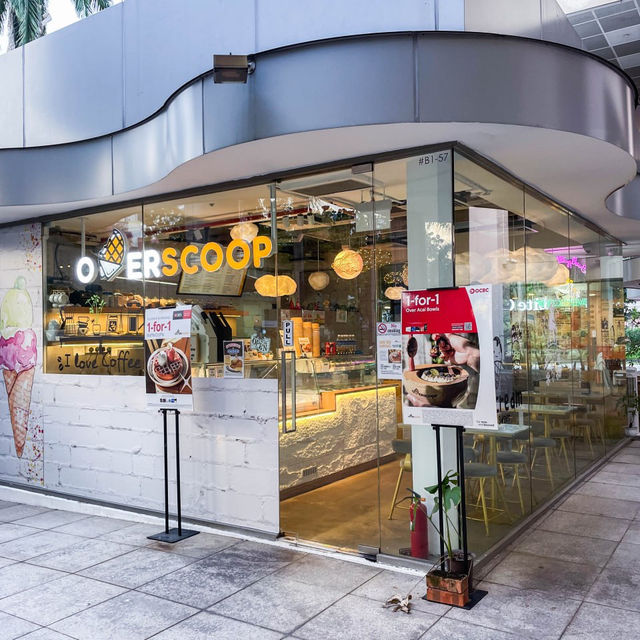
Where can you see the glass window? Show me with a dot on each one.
(94, 310)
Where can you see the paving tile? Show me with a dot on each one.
(12, 531)
(610, 477)
(597, 622)
(632, 535)
(615, 491)
(135, 534)
(277, 603)
(6, 561)
(625, 557)
(207, 581)
(81, 555)
(557, 577)
(569, 522)
(563, 546)
(45, 634)
(6, 503)
(12, 627)
(208, 626)
(600, 506)
(19, 511)
(58, 599)
(635, 444)
(94, 526)
(36, 544)
(132, 615)
(627, 456)
(200, 546)
(389, 583)
(137, 567)
(355, 618)
(51, 519)
(450, 629)
(19, 576)
(622, 467)
(527, 614)
(616, 587)
(329, 572)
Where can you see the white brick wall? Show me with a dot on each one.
(101, 442)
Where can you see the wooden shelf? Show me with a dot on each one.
(92, 338)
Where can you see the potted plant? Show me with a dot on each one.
(631, 406)
(448, 585)
(96, 303)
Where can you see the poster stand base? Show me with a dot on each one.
(178, 533)
(173, 535)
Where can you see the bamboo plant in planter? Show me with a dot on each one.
(446, 581)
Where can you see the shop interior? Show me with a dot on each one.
(346, 459)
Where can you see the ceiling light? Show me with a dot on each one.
(274, 287)
(571, 6)
(394, 293)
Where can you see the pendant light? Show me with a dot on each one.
(347, 264)
(318, 280)
(246, 231)
(394, 293)
(271, 287)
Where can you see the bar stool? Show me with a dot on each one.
(401, 447)
(584, 425)
(563, 436)
(513, 459)
(483, 472)
(545, 444)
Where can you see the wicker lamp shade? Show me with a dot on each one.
(348, 264)
(319, 280)
(271, 287)
(246, 231)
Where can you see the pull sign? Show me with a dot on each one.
(287, 333)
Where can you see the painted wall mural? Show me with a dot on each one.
(20, 361)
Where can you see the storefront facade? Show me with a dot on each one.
(271, 212)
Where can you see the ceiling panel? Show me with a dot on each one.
(612, 32)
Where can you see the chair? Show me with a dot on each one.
(483, 472)
(400, 447)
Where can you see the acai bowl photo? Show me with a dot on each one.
(437, 385)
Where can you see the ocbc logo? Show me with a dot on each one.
(483, 290)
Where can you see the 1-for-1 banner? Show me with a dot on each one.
(167, 340)
(447, 357)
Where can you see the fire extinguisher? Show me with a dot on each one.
(418, 526)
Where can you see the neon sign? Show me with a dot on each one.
(572, 262)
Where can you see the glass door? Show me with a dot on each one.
(329, 403)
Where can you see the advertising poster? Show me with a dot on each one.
(448, 374)
(167, 345)
(233, 358)
(389, 349)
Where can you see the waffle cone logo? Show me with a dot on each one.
(111, 258)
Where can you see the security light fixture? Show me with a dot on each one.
(230, 68)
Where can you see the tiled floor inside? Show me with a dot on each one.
(575, 575)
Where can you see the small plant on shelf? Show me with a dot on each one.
(96, 303)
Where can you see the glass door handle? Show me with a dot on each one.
(283, 388)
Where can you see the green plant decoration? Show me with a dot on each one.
(96, 303)
(451, 497)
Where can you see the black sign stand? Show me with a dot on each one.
(475, 595)
(172, 535)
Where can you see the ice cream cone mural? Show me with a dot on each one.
(18, 355)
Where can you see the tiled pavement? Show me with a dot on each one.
(575, 575)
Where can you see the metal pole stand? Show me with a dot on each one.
(475, 595)
(175, 534)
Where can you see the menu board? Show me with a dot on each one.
(226, 281)
(446, 334)
(167, 341)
